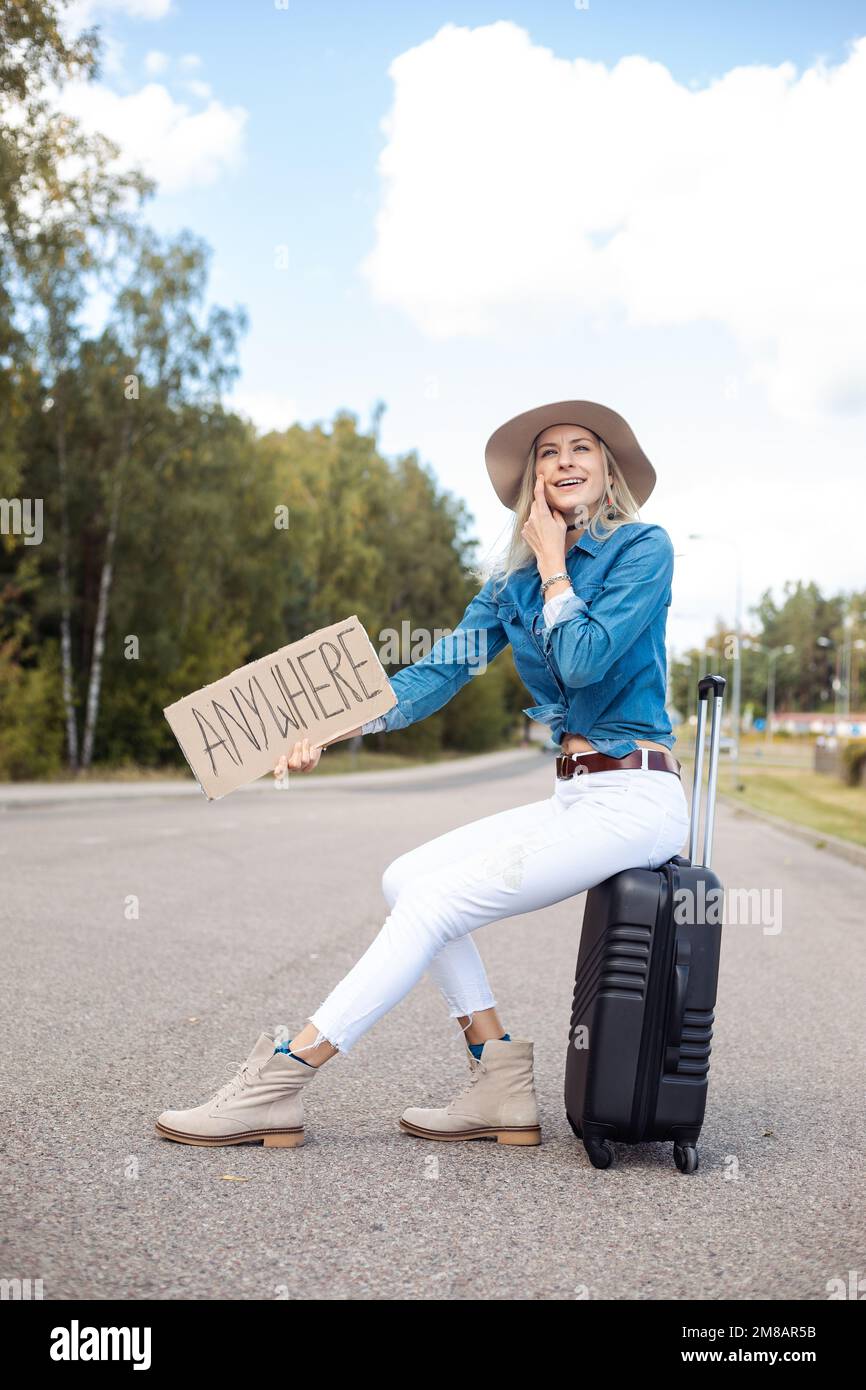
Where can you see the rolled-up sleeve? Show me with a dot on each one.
(586, 639)
(373, 726)
(550, 612)
(432, 681)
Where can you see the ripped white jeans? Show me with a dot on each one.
(515, 861)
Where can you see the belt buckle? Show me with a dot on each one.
(576, 767)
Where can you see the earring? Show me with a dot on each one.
(611, 509)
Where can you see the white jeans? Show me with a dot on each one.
(515, 861)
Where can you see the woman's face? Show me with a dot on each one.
(569, 459)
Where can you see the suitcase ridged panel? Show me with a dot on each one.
(696, 1047)
(618, 965)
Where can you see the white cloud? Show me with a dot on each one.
(155, 62)
(543, 185)
(178, 147)
(190, 62)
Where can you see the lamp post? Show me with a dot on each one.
(738, 627)
(772, 654)
(849, 643)
(844, 662)
(859, 645)
(837, 679)
(747, 645)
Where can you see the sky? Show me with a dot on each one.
(465, 210)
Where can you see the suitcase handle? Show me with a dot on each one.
(706, 685)
(679, 993)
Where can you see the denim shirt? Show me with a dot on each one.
(599, 669)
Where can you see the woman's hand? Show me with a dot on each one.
(302, 758)
(545, 532)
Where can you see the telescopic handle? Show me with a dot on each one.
(714, 686)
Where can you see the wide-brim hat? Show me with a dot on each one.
(508, 447)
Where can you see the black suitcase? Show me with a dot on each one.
(645, 990)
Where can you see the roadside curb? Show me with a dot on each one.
(832, 844)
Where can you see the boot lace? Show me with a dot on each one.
(476, 1072)
(239, 1082)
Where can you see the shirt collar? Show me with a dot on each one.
(586, 542)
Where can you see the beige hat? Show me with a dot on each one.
(508, 447)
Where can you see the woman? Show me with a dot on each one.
(582, 596)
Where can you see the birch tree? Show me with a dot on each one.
(170, 352)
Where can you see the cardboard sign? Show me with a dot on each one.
(236, 729)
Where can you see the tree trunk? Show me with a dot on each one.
(105, 581)
(68, 680)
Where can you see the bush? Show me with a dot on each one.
(31, 713)
(478, 719)
(853, 760)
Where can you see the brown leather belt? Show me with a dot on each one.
(572, 764)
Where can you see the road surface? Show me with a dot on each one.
(249, 911)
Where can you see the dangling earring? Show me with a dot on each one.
(611, 509)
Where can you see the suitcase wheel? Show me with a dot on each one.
(599, 1152)
(686, 1157)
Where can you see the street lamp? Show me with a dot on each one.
(849, 643)
(858, 646)
(738, 624)
(772, 654)
(836, 683)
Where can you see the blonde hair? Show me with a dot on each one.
(519, 553)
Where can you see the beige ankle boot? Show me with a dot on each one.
(499, 1102)
(261, 1104)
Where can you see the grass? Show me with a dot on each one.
(122, 772)
(823, 803)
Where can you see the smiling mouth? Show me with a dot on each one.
(570, 482)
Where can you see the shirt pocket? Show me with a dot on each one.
(587, 589)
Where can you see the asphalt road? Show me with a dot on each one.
(250, 910)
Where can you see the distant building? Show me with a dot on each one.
(805, 722)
